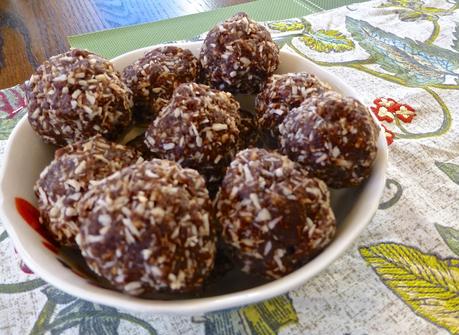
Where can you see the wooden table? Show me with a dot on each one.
(33, 30)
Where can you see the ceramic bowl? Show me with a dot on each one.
(26, 156)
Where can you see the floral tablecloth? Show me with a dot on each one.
(402, 275)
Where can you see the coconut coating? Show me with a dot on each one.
(238, 56)
(148, 228)
(76, 95)
(282, 93)
(198, 129)
(272, 214)
(332, 137)
(63, 182)
(154, 77)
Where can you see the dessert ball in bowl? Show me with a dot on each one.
(158, 183)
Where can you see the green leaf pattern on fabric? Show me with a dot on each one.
(264, 318)
(81, 311)
(412, 4)
(428, 284)
(417, 64)
(450, 169)
(415, 10)
(395, 192)
(6, 127)
(327, 41)
(91, 319)
(450, 236)
(288, 26)
(57, 296)
(21, 287)
(3, 236)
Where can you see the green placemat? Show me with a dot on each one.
(114, 42)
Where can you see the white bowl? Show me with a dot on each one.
(26, 156)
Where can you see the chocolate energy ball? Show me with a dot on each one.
(332, 137)
(148, 228)
(282, 93)
(198, 129)
(67, 178)
(238, 56)
(272, 214)
(154, 77)
(76, 95)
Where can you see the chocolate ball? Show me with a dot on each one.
(198, 129)
(66, 179)
(238, 56)
(147, 228)
(332, 137)
(76, 95)
(154, 77)
(272, 214)
(282, 93)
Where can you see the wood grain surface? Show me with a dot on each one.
(33, 30)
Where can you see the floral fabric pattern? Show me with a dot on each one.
(387, 110)
(401, 276)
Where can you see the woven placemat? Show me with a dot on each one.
(114, 42)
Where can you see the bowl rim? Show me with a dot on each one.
(368, 202)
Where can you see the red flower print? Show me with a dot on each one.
(389, 135)
(387, 110)
(405, 113)
(383, 114)
(385, 102)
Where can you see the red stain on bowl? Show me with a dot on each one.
(31, 216)
(51, 247)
